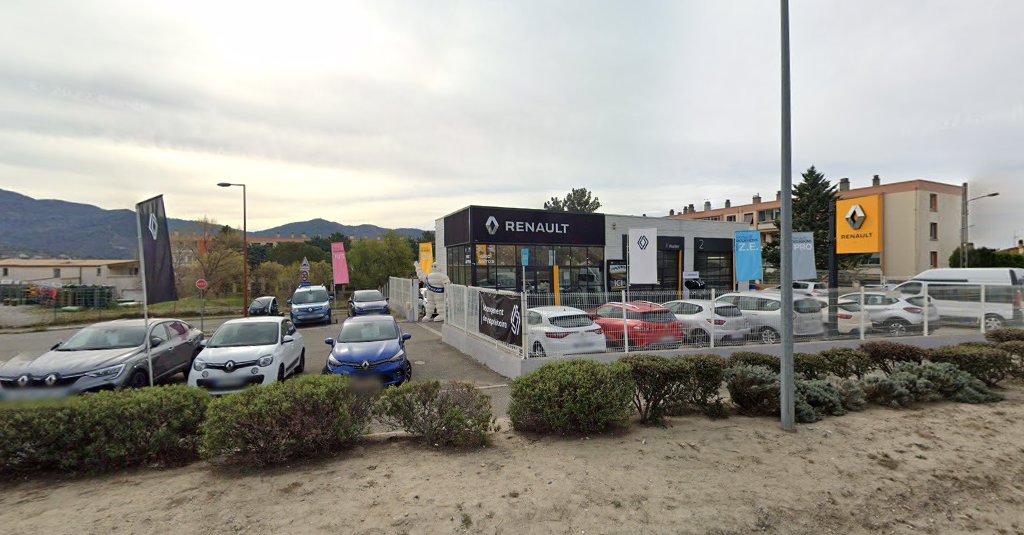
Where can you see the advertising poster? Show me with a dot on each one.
(859, 225)
(339, 263)
(749, 265)
(803, 257)
(501, 318)
(485, 255)
(427, 257)
(616, 275)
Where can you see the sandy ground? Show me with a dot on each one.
(940, 468)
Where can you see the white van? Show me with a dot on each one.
(956, 293)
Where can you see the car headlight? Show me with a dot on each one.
(111, 372)
(398, 356)
(198, 365)
(266, 360)
(333, 361)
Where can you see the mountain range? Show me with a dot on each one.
(52, 227)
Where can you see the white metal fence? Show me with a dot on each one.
(664, 320)
(404, 299)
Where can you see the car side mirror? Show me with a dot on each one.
(406, 336)
(154, 341)
(289, 301)
(203, 342)
(329, 341)
(387, 299)
(55, 346)
(287, 339)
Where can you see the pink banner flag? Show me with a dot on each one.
(339, 263)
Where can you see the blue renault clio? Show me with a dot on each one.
(371, 347)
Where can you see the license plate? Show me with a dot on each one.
(230, 383)
(666, 339)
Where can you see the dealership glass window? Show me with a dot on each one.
(668, 269)
(715, 269)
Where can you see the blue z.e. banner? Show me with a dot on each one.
(749, 266)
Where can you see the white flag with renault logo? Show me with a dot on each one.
(643, 256)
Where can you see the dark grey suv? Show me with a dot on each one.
(103, 356)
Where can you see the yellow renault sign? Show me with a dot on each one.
(859, 225)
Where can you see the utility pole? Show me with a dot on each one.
(786, 396)
(963, 226)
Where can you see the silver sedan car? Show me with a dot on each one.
(101, 357)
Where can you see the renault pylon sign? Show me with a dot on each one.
(859, 225)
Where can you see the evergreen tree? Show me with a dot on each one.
(812, 198)
(579, 200)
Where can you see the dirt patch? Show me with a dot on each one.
(941, 468)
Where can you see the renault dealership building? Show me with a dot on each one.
(487, 246)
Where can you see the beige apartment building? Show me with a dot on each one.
(921, 226)
(123, 275)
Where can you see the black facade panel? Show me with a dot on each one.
(533, 227)
(712, 244)
(456, 228)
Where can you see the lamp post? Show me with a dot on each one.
(786, 394)
(245, 251)
(965, 212)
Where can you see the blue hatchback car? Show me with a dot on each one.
(370, 347)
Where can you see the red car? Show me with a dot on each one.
(650, 325)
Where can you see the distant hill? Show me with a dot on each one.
(325, 228)
(54, 227)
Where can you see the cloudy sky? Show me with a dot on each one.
(396, 113)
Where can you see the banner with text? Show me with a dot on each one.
(643, 256)
(427, 257)
(339, 263)
(749, 266)
(501, 317)
(803, 257)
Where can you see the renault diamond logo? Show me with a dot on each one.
(643, 242)
(23, 380)
(365, 364)
(153, 227)
(492, 225)
(229, 366)
(516, 320)
(855, 217)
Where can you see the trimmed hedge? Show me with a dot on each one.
(990, 365)
(911, 383)
(450, 414)
(103, 431)
(846, 362)
(673, 385)
(700, 385)
(574, 396)
(754, 389)
(810, 365)
(813, 400)
(306, 416)
(753, 358)
(887, 355)
(655, 378)
(1005, 334)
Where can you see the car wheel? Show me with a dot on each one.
(896, 327)
(301, 367)
(769, 336)
(700, 338)
(993, 321)
(538, 350)
(138, 379)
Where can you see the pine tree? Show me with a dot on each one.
(812, 198)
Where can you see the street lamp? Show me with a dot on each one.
(245, 251)
(964, 240)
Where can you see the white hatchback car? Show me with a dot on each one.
(763, 311)
(248, 351)
(848, 316)
(727, 322)
(558, 330)
(895, 315)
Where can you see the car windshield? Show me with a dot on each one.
(261, 302)
(105, 337)
(652, 316)
(367, 296)
(245, 334)
(311, 296)
(367, 331)
(572, 320)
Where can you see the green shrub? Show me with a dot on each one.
(886, 355)
(1016, 351)
(451, 414)
(990, 365)
(574, 396)
(847, 362)
(702, 377)
(754, 389)
(854, 398)
(911, 383)
(752, 358)
(1005, 335)
(810, 365)
(309, 415)
(655, 378)
(103, 431)
(816, 399)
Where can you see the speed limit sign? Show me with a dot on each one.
(202, 284)
(304, 276)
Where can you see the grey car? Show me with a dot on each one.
(103, 356)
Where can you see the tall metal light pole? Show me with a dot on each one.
(964, 213)
(786, 396)
(245, 250)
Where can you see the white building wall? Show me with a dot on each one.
(617, 225)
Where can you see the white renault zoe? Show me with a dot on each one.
(248, 351)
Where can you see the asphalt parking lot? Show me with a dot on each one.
(431, 359)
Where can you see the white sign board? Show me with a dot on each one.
(643, 256)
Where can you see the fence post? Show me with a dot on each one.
(525, 309)
(465, 309)
(863, 313)
(714, 312)
(625, 324)
(982, 300)
(924, 288)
